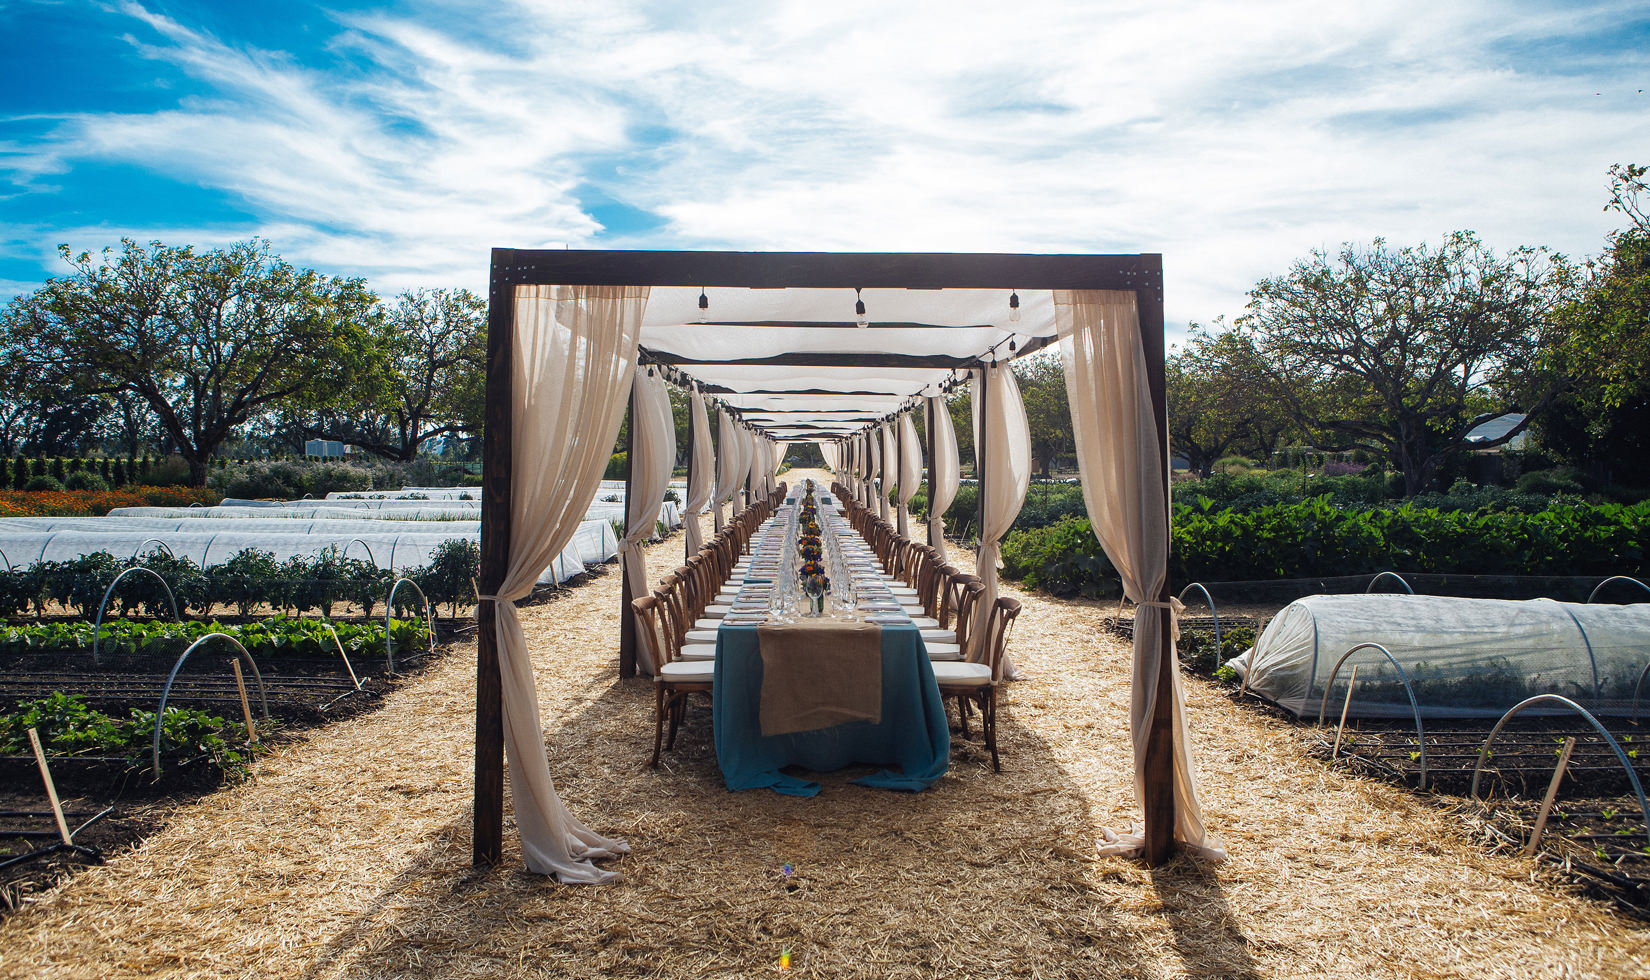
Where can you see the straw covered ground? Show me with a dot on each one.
(348, 853)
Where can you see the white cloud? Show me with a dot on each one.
(1231, 138)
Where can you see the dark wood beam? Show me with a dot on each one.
(1157, 777)
(862, 360)
(841, 325)
(487, 822)
(846, 270)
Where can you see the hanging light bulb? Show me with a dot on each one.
(859, 309)
(650, 370)
(1014, 307)
(1011, 343)
(704, 304)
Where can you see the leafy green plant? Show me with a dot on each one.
(66, 726)
(305, 637)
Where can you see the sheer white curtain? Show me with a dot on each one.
(701, 471)
(889, 465)
(727, 465)
(756, 466)
(779, 450)
(873, 465)
(828, 452)
(947, 471)
(910, 469)
(742, 442)
(1006, 470)
(653, 455)
(574, 354)
(1120, 457)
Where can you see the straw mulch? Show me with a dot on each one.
(348, 855)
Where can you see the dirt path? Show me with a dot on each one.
(348, 855)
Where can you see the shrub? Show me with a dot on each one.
(450, 576)
(44, 484)
(85, 480)
(1062, 559)
(1562, 479)
(171, 471)
(615, 466)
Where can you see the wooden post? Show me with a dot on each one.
(1346, 706)
(693, 469)
(933, 470)
(979, 465)
(1546, 801)
(1158, 776)
(51, 787)
(627, 616)
(246, 709)
(487, 834)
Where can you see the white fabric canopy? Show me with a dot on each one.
(947, 470)
(574, 354)
(1005, 472)
(653, 456)
(1120, 454)
(701, 471)
(910, 469)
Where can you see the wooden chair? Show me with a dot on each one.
(976, 683)
(674, 680)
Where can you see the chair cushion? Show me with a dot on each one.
(959, 674)
(939, 636)
(701, 651)
(717, 609)
(923, 622)
(943, 651)
(687, 672)
(702, 635)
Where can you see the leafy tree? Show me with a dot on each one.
(1048, 410)
(1603, 351)
(425, 376)
(1407, 350)
(1217, 400)
(206, 339)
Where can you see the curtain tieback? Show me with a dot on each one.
(1175, 608)
(491, 598)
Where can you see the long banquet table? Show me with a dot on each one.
(912, 740)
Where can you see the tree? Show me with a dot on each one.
(1602, 351)
(425, 376)
(1407, 350)
(205, 339)
(1217, 399)
(1048, 410)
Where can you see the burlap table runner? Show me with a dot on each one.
(819, 672)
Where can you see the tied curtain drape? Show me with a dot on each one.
(779, 450)
(910, 470)
(573, 357)
(1005, 473)
(873, 461)
(889, 464)
(741, 442)
(727, 464)
(1120, 455)
(653, 449)
(827, 452)
(701, 472)
(947, 471)
(756, 466)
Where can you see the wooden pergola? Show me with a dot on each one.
(1141, 274)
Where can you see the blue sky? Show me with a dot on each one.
(402, 141)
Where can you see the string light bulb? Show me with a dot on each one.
(1014, 307)
(859, 309)
(704, 304)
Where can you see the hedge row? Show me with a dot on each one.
(250, 579)
(1313, 538)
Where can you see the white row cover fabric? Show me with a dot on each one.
(942, 436)
(1463, 658)
(1006, 470)
(727, 465)
(610, 506)
(1120, 455)
(653, 455)
(910, 469)
(701, 470)
(574, 355)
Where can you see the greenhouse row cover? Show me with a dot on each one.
(1461, 657)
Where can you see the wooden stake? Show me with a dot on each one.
(246, 709)
(1547, 801)
(1344, 708)
(51, 788)
(335, 642)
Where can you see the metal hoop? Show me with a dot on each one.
(163, 545)
(1383, 575)
(7, 561)
(370, 556)
(389, 609)
(1414, 706)
(160, 711)
(97, 625)
(1615, 578)
(1633, 777)
(1212, 613)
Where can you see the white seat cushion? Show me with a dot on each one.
(923, 622)
(699, 651)
(701, 636)
(939, 636)
(942, 651)
(688, 672)
(717, 609)
(960, 674)
(904, 590)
